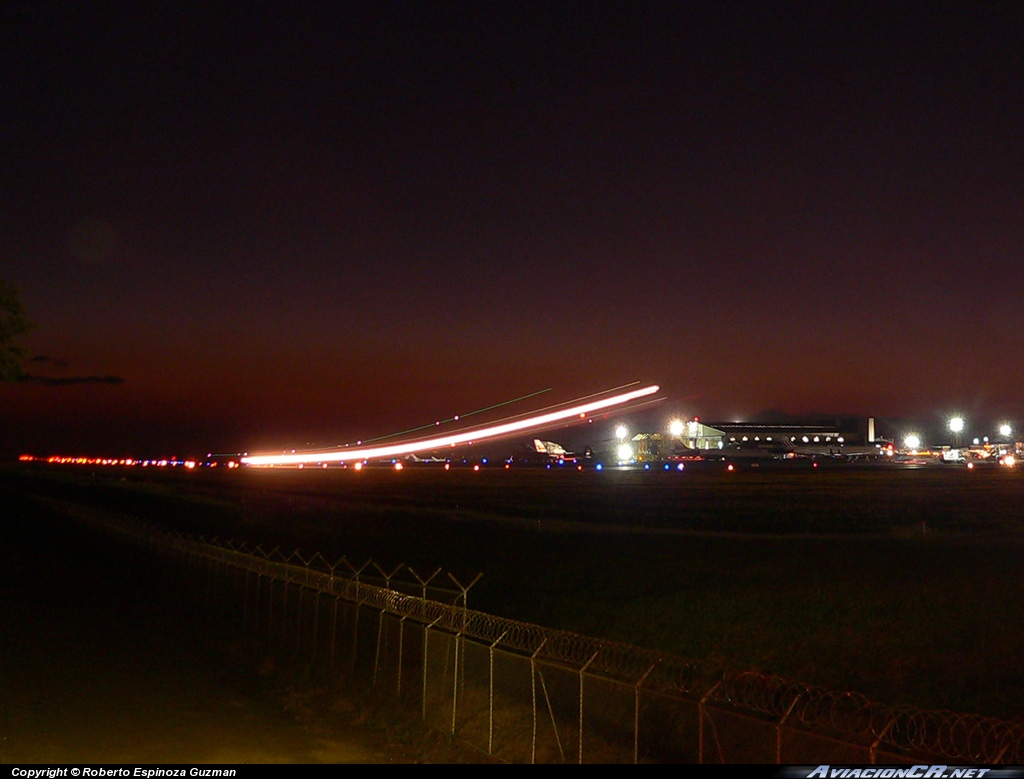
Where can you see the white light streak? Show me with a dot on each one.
(455, 439)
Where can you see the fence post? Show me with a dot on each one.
(298, 621)
(874, 747)
(316, 625)
(270, 608)
(700, 723)
(455, 679)
(376, 657)
(401, 652)
(245, 602)
(334, 629)
(358, 606)
(490, 695)
(586, 665)
(424, 582)
(259, 587)
(636, 714)
(778, 729)
(426, 642)
(460, 641)
(533, 695)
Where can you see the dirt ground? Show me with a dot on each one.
(96, 667)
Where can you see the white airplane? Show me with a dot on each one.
(430, 458)
(784, 449)
(876, 451)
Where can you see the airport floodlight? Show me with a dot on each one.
(625, 453)
(621, 432)
(956, 425)
(675, 427)
(1005, 430)
(912, 441)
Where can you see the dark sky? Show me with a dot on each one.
(337, 220)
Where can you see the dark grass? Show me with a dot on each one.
(903, 585)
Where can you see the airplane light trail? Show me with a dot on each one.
(457, 417)
(495, 431)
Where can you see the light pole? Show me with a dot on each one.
(956, 425)
(624, 451)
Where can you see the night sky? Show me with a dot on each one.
(238, 229)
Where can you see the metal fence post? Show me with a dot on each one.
(490, 695)
(533, 696)
(586, 665)
(426, 642)
(636, 715)
(778, 729)
(700, 724)
(376, 658)
(334, 628)
(401, 652)
(316, 625)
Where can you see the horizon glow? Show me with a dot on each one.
(455, 439)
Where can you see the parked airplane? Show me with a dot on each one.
(784, 449)
(430, 458)
(876, 451)
(539, 452)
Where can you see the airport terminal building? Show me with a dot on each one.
(699, 436)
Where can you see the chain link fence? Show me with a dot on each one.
(522, 693)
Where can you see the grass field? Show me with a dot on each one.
(903, 585)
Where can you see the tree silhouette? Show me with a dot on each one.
(12, 324)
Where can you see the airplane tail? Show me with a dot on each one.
(549, 448)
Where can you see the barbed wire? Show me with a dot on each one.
(954, 735)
